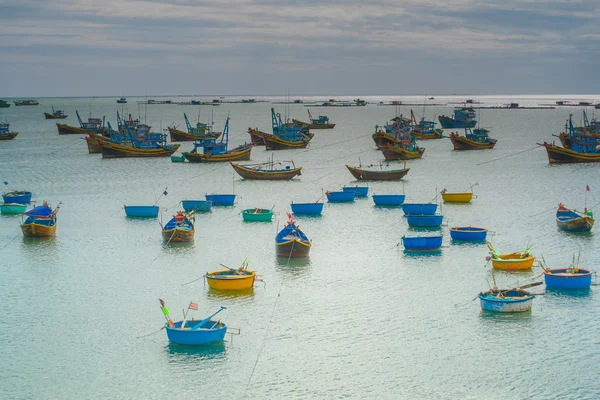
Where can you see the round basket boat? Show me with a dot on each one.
(513, 262)
(468, 233)
(209, 332)
(568, 278)
(231, 279)
(257, 215)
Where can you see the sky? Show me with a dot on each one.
(260, 47)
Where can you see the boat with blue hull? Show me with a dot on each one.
(180, 228)
(291, 242)
(340, 197)
(40, 221)
(221, 199)
(424, 130)
(141, 211)
(286, 135)
(582, 149)
(506, 301)
(6, 133)
(422, 243)
(468, 234)
(419, 208)
(307, 208)
(197, 205)
(359, 191)
(424, 221)
(389, 200)
(574, 221)
(464, 117)
(138, 143)
(194, 332)
(17, 196)
(568, 278)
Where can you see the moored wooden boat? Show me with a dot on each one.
(321, 123)
(560, 155)
(478, 139)
(375, 175)
(286, 135)
(267, 171)
(424, 221)
(340, 197)
(388, 200)
(93, 125)
(291, 242)
(256, 137)
(196, 205)
(141, 211)
(56, 114)
(359, 191)
(419, 208)
(574, 221)
(241, 153)
(40, 222)
(221, 199)
(403, 150)
(180, 228)
(26, 102)
(273, 142)
(5, 133)
(114, 150)
(257, 215)
(240, 278)
(200, 131)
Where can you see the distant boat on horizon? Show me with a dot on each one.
(122, 100)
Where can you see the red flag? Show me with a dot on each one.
(587, 188)
(193, 306)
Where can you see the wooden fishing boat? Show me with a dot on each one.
(40, 221)
(256, 137)
(507, 300)
(26, 102)
(273, 142)
(560, 155)
(422, 243)
(518, 261)
(92, 142)
(362, 174)
(4, 104)
(114, 150)
(397, 130)
(266, 171)
(424, 130)
(200, 131)
(286, 135)
(204, 332)
(56, 114)
(574, 221)
(240, 278)
(403, 150)
(382, 138)
(291, 242)
(208, 150)
(12, 208)
(456, 197)
(257, 215)
(464, 117)
(94, 125)
(568, 278)
(321, 123)
(17, 196)
(5, 134)
(180, 228)
(122, 100)
(477, 139)
(468, 233)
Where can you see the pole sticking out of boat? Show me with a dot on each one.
(199, 324)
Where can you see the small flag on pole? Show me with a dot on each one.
(162, 302)
(193, 306)
(165, 192)
(587, 188)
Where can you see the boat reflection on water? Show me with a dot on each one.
(423, 253)
(567, 295)
(506, 320)
(195, 355)
(232, 294)
(38, 242)
(293, 267)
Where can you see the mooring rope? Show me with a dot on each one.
(510, 155)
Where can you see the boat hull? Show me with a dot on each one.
(366, 175)
(264, 215)
(389, 200)
(451, 123)
(382, 139)
(141, 211)
(178, 235)
(256, 137)
(249, 173)
(422, 243)
(9, 136)
(437, 134)
(314, 126)
(112, 150)
(197, 336)
(504, 263)
(92, 144)
(468, 234)
(391, 152)
(506, 304)
(64, 129)
(419, 208)
(224, 280)
(196, 205)
(559, 278)
(307, 208)
(292, 249)
(462, 143)
(559, 155)
(272, 142)
(231, 155)
(583, 224)
(19, 199)
(457, 197)
(182, 136)
(38, 230)
(221, 199)
(340, 197)
(12, 208)
(52, 116)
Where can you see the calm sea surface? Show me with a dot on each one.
(359, 319)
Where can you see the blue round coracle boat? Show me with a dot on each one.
(360, 191)
(388, 200)
(221, 199)
(468, 233)
(141, 211)
(196, 332)
(340, 197)
(20, 197)
(419, 208)
(568, 278)
(424, 221)
(196, 205)
(307, 208)
(422, 243)
(511, 300)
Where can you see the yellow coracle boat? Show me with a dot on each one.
(457, 197)
(231, 279)
(518, 261)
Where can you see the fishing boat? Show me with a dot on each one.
(419, 208)
(4, 104)
(457, 197)
(370, 174)
(397, 130)
(26, 102)
(231, 279)
(17, 196)
(315, 208)
(463, 118)
(424, 130)
(257, 215)
(122, 100)
(141, 211)
(583, 148)
(468, 233)
(12, 208)
(424, 221)
(200, 131)
(291, 242)
(359, 191)
(208, 150)
(221, 199)
(388, 200)
(40, 221)
(517, 261)
(257, 137)
(507, 300)
(403, 150)
(422, 243)
(180, 228)
(572, 277)
(139, 143)
(340, 197)
(286, 136)
(94, 125)
(56, 114)
(5, 133)
(204, 332)
(321, 123)
(267, 171)
(574, 221)
(476, 139)
(196, 205)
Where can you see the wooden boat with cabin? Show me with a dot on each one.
(321, 123)
(5, 134)
(56, 114)
(286, 135)
(267, 171)
(256, 137)
(560, 155)
(180, 228)
(477, 139)
(40, 221)
(94, 125)
(208, 150)
(200, 131)
(362, 174)
(403, 150)
(114, 150)
(273, 142)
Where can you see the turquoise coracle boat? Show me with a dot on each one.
(257, 215)
(12, 208)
